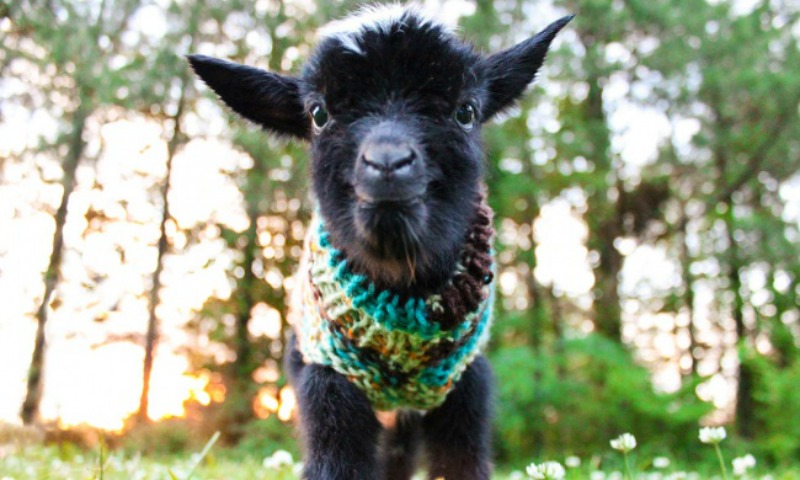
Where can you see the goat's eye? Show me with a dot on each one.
(319, 115)
(465, 116)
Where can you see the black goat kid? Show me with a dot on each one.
(395, 290)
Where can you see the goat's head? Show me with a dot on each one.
(392, 104)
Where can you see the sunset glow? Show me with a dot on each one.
(93, 369)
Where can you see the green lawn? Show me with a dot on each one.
(53, 462)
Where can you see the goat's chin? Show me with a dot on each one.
(392, 236)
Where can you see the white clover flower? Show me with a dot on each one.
(572, 461)
(742, 464)
(546, 471)
(597, 475)
(712, 435)
(278, 460)
(676, 476)
(661, 462)
(624, 443)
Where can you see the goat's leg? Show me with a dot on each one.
(338, 425)
(457, 434)
(400, 446)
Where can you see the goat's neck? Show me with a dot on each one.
(461, 286)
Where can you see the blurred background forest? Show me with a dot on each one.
(647, 199)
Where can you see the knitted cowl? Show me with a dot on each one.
(401, 352)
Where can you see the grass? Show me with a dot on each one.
(67, 462)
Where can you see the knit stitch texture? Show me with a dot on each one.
(400, 353)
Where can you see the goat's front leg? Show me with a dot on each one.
(458, 433)
(338, 425)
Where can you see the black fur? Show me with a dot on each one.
(396, 176)
(400, 448)
(414, 77)
(511, 71)
(457, 435)
(343, 440)
(268, 99)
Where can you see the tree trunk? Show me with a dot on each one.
(607, 308)
(33, 397)
(603, 212)
(239, 408)
(243, 365)
(239, 400)
(688, 289)
(559, 353)
(152, 334)
(247, 297)
(745, 402)
(175, 141)
(538, 322)
(244, 349)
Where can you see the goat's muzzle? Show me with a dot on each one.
(390, 184)
(390, 167)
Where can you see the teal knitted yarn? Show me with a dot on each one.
(397, 352)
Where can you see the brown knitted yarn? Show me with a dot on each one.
(464, 293)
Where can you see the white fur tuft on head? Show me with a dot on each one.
(375, 18)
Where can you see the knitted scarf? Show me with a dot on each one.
(401, 352)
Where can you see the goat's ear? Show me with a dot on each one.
(268, 99)
(510, 71)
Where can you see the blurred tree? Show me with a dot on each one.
(261, 196)
(268, 250)
(618, 205)
(169, 63)
(754, 142)
(736, 73)
(516, 190)
(585, 133)
(76, 37)
(531, 163)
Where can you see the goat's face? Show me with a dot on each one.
(392, 103)
(396, 145)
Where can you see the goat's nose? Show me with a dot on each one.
(388, 159)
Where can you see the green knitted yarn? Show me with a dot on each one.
(393, 351)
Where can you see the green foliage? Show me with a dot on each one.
(166, 437)
(262, 437)
(201, 456)
(591, 393)
(779, 409)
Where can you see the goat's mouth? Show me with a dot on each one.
(389, 194)
(401, 202)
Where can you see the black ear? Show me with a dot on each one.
(268, 99)
(510, 71)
